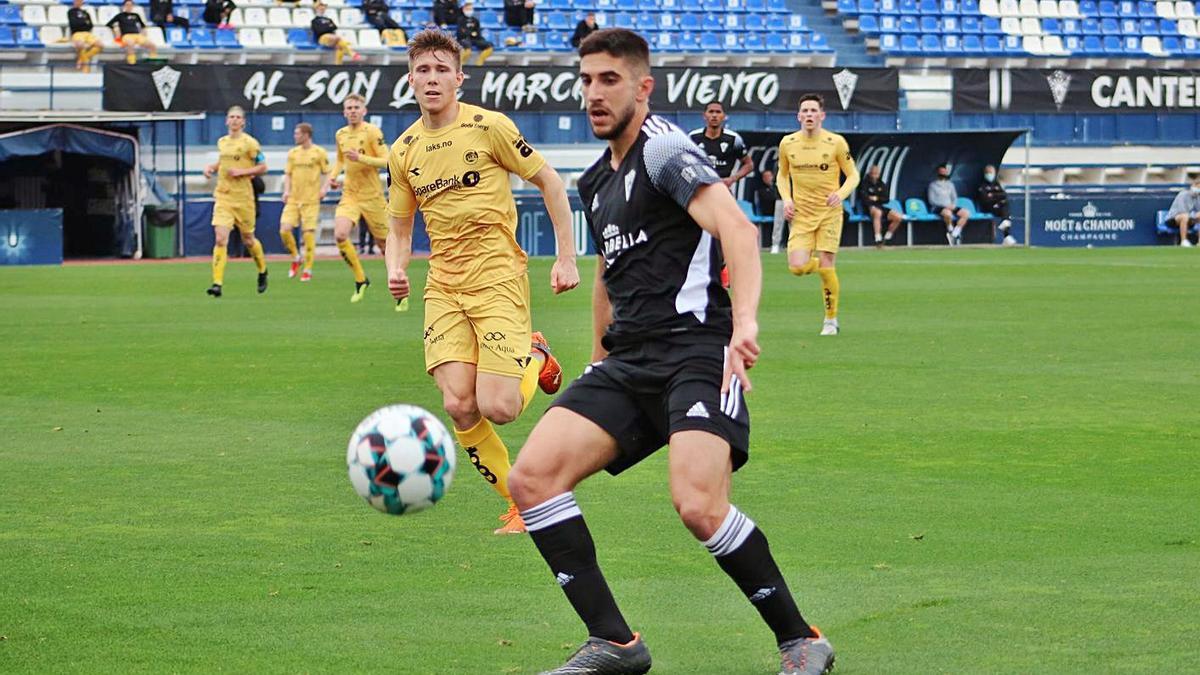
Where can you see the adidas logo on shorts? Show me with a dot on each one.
(563, 578)
(697, 410)
(762, 594)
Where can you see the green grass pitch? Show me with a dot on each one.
(994, 469)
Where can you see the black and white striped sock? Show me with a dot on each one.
(557, 529)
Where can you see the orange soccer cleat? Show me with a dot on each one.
(513, 523)
(550, 377)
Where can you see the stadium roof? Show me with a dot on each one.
(85, 116)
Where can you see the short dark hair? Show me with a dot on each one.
(432, 40)
(619, 43)
(716, 103)
(304, 128)
(812, 97)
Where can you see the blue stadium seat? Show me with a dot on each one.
(667, 42)
(950, 24)
(1146, 10)
(778, 23)
(558, 41)
(889, 6)
(755, 43)
(712, 22)
(491, 20)
(689, 42)
(420, 17)
(818, 43)
(966, 203)
(1107, 9)
(847, 7)
(1092, 46)
(1112, 45)
(559, 4)
(799, 42)
(1171, 45)
(1109, 26)
(734, 21)
(647, 22)
(203, 38)
(909, 44)
(27, 37)
(735, 6)
(627, 5)
(693, 6)
(1168, 27)
(970, 24)
(300, 38)
(992, 44)
(777, 6)
(909, 24)
(667, 21)
(991, 25)
(969, 7)
(690, 23)
(909, 7)
(869, 24)
(558, 21)
(227, 39)
(709, 42)
(759, 6)
(10, 15)
(178, 38)
(756, 23)
(1071, 27)
(1127, 8)
(776, 42)
(732, 42)
(623, 20)
(931, 44)
(929, 8)
(868, 6)
(1132, 45)
(929, 24)
(1091, 26)
(972, 44)
(1149, 27)
(1051, 26)
(889, 42)
(915, 209)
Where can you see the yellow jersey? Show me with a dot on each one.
(236, 152)
(305, 166)
(362, 177)
(810, 168)
(458, 176)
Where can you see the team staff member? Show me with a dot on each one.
(362, 152)
(874, 195)
(811, 162)
(87, 45)
(454, 164)
(240, 160)
(304, 181)
(127, 27)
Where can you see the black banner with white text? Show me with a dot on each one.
(214, 88)
(1036, 91)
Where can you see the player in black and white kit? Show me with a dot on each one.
(724, 147)
(670, 357)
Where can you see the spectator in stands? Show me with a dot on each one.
(378, 14)
(324, 32)
(519, 14)
(162, 13)
(446, 13)
(583, 29)
(943, 201)
(470, 35)
(216, 12)
(1185, 210)
(127, 27)
(874, 195)
(994, 200)
(87, 45)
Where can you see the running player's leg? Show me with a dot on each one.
(375, 213)
(288, 221)
(220, 251)
(309, 219)
(564, 448)
(512, 359)
(828, 239)
(345, 217)
(245, 225)
(801, 242)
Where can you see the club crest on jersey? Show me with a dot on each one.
(724, 147)
(629, 177)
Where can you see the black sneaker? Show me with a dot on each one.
(262, 282)
(601, 657)
(214, 290)
(806, 656)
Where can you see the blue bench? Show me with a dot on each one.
(1166, 228)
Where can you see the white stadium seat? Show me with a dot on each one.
(368, 38)
(56, 15)
(1152, 45)
(105, 35)
(351, 18)
(105, 13)
(274, 38)
(1009, 8)
(1069, 9)
(34, 15)
(1187, 28)
(1165, 10)
(1185, 9)
(51, 35)
(1029, 8)
(349, 35)
(989, 7)
(1031, 26)
(1048, 9)
(1011, 25)
(236, 18)
(1033, 45)
(254, 17)
(250, 37)
(1053, 45)
(155, 35)
(302, 17)
(280, 16)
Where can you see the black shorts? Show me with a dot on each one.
(641, 394)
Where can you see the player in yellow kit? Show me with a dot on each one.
(454, 164)
(240, 160)
(362, 152)
(811, 162)
(304, 185)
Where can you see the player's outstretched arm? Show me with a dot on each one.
(398, 253)
(565, 274)
(601, 312)
(714, 209)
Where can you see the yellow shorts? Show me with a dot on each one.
(230, 215)
(135, 40)
(823, 235)
(305, 215)
(328, 40)
(374, 211)
(85, 37)
(488, 327)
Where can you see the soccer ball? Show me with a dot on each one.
(400, 459)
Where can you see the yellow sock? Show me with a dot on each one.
(220, 255)
(260, 259)
(830, 288)
(351, 258)
(337, 56)
(807, 268)
(91, 53)
(488, 454)
(529, 382)
(310, 246)
(289, 242)
(131, 59)
(483, 55)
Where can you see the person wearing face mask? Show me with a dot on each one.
(1185, 210)
(994, 200)
(470, 35)
(943, 202)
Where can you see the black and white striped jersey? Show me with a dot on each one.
(662, 270)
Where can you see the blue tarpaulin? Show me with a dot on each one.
(68, 138)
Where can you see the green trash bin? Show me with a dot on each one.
(161, 234)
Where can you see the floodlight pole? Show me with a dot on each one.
(1028, 208)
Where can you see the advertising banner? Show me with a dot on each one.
(1128, 220)
(214, 88)
(1098, 90)
(31, 237)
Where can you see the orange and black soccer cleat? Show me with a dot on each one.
(550, 377)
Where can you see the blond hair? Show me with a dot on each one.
(431, 41)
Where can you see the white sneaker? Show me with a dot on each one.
(1010, 240)
(774, 250)
(1005, 224)
(950, 237)
(1186, 243)
(957, 236)
(830, 327)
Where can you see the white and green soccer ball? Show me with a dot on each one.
(401, 459)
